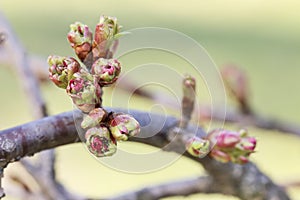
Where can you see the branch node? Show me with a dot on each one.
(188, 100)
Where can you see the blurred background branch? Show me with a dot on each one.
(42, 170)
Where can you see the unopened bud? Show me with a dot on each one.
(84, 91)
(99, 142)
(93, 118)
(198, 147)
(61, 69)
(248, 144)
(80, 38)
(231, 146)
(220, 156)
(227, 139)
(123, 126)
(106, 71)
(106, 32)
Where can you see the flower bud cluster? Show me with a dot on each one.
(84, 84)
(224, 146)
(231, 146)
(104, 130)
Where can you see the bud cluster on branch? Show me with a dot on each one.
(231, 146)
(223, 145)
(84, 82)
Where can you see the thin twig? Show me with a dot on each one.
(188, 100)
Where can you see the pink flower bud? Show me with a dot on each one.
(99, 142)
(197, 147)
(242, 160)
(106, 29)
(106, 32)
(227, 139)
(123, 126)
(106, 71)
(62, 69)
(248, 143)
(220, 156)
(84, 91)
(224, 138)
(80, 38)
(236, 145)
(93, 118)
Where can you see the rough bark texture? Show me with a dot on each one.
(176, 188)
(244, 181)
(30, 138)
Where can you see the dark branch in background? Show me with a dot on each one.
(19, 56)
(175, 188)
(236, 82)
(243, 181)
(44, 171)
(254, 119)
(249, 118)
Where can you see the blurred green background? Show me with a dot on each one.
(263, 37)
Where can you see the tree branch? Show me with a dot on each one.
(244, 181)
(175, 188)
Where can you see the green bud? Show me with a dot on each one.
(106, 71)
(61, 69)
(84, 91)
(93, 118)
(198, 147)
(106, 33)
(99, 142)
(80, 38)
(123, 126)
(106, 29)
